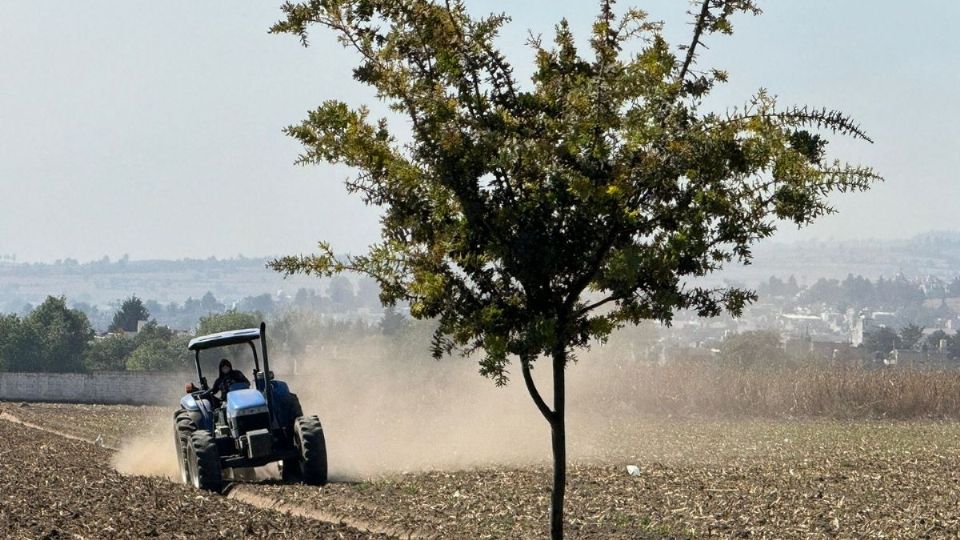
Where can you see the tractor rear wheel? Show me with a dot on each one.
(205, 472)
(308, 436)
(183, 427)
(290, 469)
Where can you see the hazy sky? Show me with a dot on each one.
(153, 128)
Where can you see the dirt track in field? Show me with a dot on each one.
(54, 487)
(699, 478)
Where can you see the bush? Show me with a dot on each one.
(758, 348)
(159, 355)
(51, 338)
(228, 320)
(109, 353)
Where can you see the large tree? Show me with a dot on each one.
(61, 336)
(881, 341)
(109, 353)
(754, 349)
(229, 320)
(128, 317)
(910, 336)
(530, 219)
(19, 345)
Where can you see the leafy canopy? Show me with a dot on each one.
(229, 320)
(51, 338)
(532, 218)
(128, 317)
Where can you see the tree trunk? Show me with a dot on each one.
(557, 430)
(559, 435)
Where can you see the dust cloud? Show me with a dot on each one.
(151, 453)
(387, 412)
(384, 415)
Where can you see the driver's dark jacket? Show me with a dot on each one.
(223, 382)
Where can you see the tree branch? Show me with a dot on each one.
(579, 284)
(697, 33)
(590, 307)
(532, 389)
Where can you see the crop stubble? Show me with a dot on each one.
(743, 478)
(53, 487)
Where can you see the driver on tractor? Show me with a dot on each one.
(228, 377)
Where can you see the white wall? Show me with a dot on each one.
(98, 387)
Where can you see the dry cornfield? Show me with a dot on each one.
(806, 391)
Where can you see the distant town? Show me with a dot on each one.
(902, 305)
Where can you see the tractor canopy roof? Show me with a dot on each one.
(221, 339)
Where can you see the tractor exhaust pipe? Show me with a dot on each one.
(266, 371)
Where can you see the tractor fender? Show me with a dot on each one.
(201, 408)
(188, 403)
(283, 410)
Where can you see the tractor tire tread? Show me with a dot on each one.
(207, 473)
(313, 451)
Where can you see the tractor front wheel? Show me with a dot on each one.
(312, 462)
(205, 472)
(181, 456)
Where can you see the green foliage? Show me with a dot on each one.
(158, 348)
(306, 336)
(953, 347)
(262, 303)
(154, 348)
(210, 304)
(51, 338)
(159, 355)
(532, 219)
(131, 312)
(341, 293)
(910, 336)
(295, 330)
(19, 346)
(775, 287)
(228, 320)
(881, 341)
(754, 349)
(934, 339)
(393, 322)
(61, 336)
(153, 331)
(109, 353)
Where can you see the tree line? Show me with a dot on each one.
(56, 338)
(884, 340)
(341, 297)
(858, 291)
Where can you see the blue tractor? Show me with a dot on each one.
(251, 428)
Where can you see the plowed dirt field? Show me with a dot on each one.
(698, 478)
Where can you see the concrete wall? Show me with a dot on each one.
(98, 387)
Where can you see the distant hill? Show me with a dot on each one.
(104, 282)
(929, 254)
